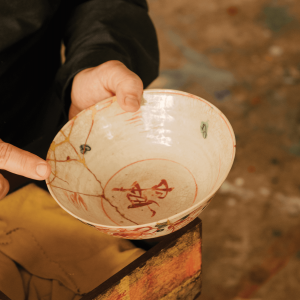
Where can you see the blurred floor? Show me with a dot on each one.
(244, 57)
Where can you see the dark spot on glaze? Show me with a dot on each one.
(84, 148)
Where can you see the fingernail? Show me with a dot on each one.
(132, 102)
(42, 169)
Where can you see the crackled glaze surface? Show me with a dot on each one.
(143, 174)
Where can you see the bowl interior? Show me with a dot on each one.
(116, 168)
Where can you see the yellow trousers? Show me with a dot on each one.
(47, 254)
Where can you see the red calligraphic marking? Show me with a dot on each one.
(138, 198)
(76, 199)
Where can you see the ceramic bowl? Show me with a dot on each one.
(145, 174)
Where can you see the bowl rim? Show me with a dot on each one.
(178, 215)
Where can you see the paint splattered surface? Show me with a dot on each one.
(171, 272)
(243, 56)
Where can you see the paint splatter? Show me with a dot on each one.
(275, 50)
(222, 94)
(276, 232)
(276, 17)
(295, 149)
(232, 10)
(255, 100)
(239, 181)
(251, 169)
(243, 193)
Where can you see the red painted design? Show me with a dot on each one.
(138, 198)
(76, 199)
(179, 223)
(137, 233)
(149, 159)
(122, 113)
(136, 119)
(138, 122)
(155, 159)
(151, 231)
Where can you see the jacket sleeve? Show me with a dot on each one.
(101, 30)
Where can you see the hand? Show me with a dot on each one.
(20, 162)
(106, 80)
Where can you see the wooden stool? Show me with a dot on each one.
(169, 270)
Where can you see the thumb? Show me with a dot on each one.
(127, 86)
(23, 163)
(129, 94)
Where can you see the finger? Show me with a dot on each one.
(23, 163)
(4, 187)
(129, 94)
(127, 86)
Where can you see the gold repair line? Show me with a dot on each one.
(117, 210)
(98, 196)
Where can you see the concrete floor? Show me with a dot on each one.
(244, 57)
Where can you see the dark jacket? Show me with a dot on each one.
(34, 87)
